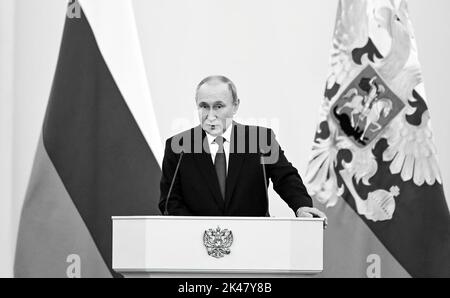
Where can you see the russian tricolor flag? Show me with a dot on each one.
(100, 151)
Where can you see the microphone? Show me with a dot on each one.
(265, 180)
(166, 211)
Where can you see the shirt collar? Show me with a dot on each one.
(226, 135)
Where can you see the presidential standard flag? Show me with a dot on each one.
(100, 151)
(374, 164)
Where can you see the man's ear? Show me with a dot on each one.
(236, 105)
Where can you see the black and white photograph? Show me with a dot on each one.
(203, 141)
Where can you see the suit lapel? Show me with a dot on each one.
(236, 161)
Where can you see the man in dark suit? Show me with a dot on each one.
(223, 168)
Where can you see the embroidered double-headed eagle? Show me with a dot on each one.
(374, 93)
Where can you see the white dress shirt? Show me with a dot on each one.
(213, 147)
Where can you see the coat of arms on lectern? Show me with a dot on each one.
(218, 242)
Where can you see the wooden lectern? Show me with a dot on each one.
(179, 246)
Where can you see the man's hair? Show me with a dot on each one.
(221, 79)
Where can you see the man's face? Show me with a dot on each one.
(215, 107)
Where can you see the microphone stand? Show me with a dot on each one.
(166, 211)
(265, 180)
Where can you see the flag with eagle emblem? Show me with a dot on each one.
(374, 164)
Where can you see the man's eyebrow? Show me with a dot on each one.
(214, 103)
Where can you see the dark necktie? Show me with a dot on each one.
(220, 164)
